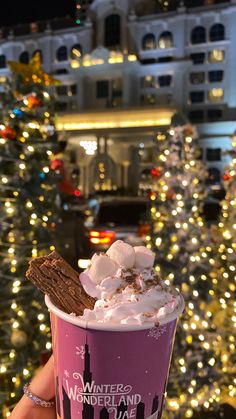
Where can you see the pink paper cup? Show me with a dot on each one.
(110, 371)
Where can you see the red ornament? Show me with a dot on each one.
(77, 192)
(65, 185)
(155, 173)
(226, 176)
(8, 133)
(34, 102)
(53, 226)
(57, 164)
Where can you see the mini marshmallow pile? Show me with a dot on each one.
(120, 280)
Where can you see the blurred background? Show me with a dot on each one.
(125, 72)
(123, 76)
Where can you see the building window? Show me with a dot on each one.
(197, 77)
(164, 80)
(216, 55)
(61, 106)
(111, 91)
(76, 52)
(165, 40)
(198, 57)
(62, 54)
(164, 99)
(215, 76)
(24, 57)
(61, 71)
(149, 41)
(3, 63)
(39, 53)
(73, 89)
(165, 59)
(116, 88)
(198, 35)
(216, 95)
(196, 116)
(149, 99)
(61, 90)
(214, 114)
(213, 154)
(148, 81)
(116, 92)
(112, 31)
(197, 97)
(102, 88)
(217, 32)
(214, 176)
(148, 61)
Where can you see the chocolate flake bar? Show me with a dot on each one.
(56, 278)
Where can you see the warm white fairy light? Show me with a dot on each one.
(42, 327)
(48, 346)
(192, 227)
(30, 148)
(3, 369)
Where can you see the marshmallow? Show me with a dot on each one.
(102, 267)
(94, 257)
(144, 257)
(89, 286)
(122, 253)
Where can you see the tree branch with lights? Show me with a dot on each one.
(181, 241)
(223, 276)
(28, 217)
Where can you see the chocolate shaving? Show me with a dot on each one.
(130, 276)
(56, 278)
(154, 281)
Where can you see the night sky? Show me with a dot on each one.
(18, 12)
(25, 11)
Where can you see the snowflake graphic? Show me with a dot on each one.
(67, 374)
(156, 332)
(80, 350)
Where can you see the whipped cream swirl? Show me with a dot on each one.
(130, 295)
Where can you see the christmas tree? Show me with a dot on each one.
(223, 277)
(180, 238)
(28, 219)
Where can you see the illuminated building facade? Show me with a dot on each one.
(126, 59)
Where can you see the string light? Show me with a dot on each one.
(25, 190)
(30, 148)
(25, 372)
(187, 258)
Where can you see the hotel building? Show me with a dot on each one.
(126, 68)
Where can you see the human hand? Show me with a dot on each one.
(42, 386)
